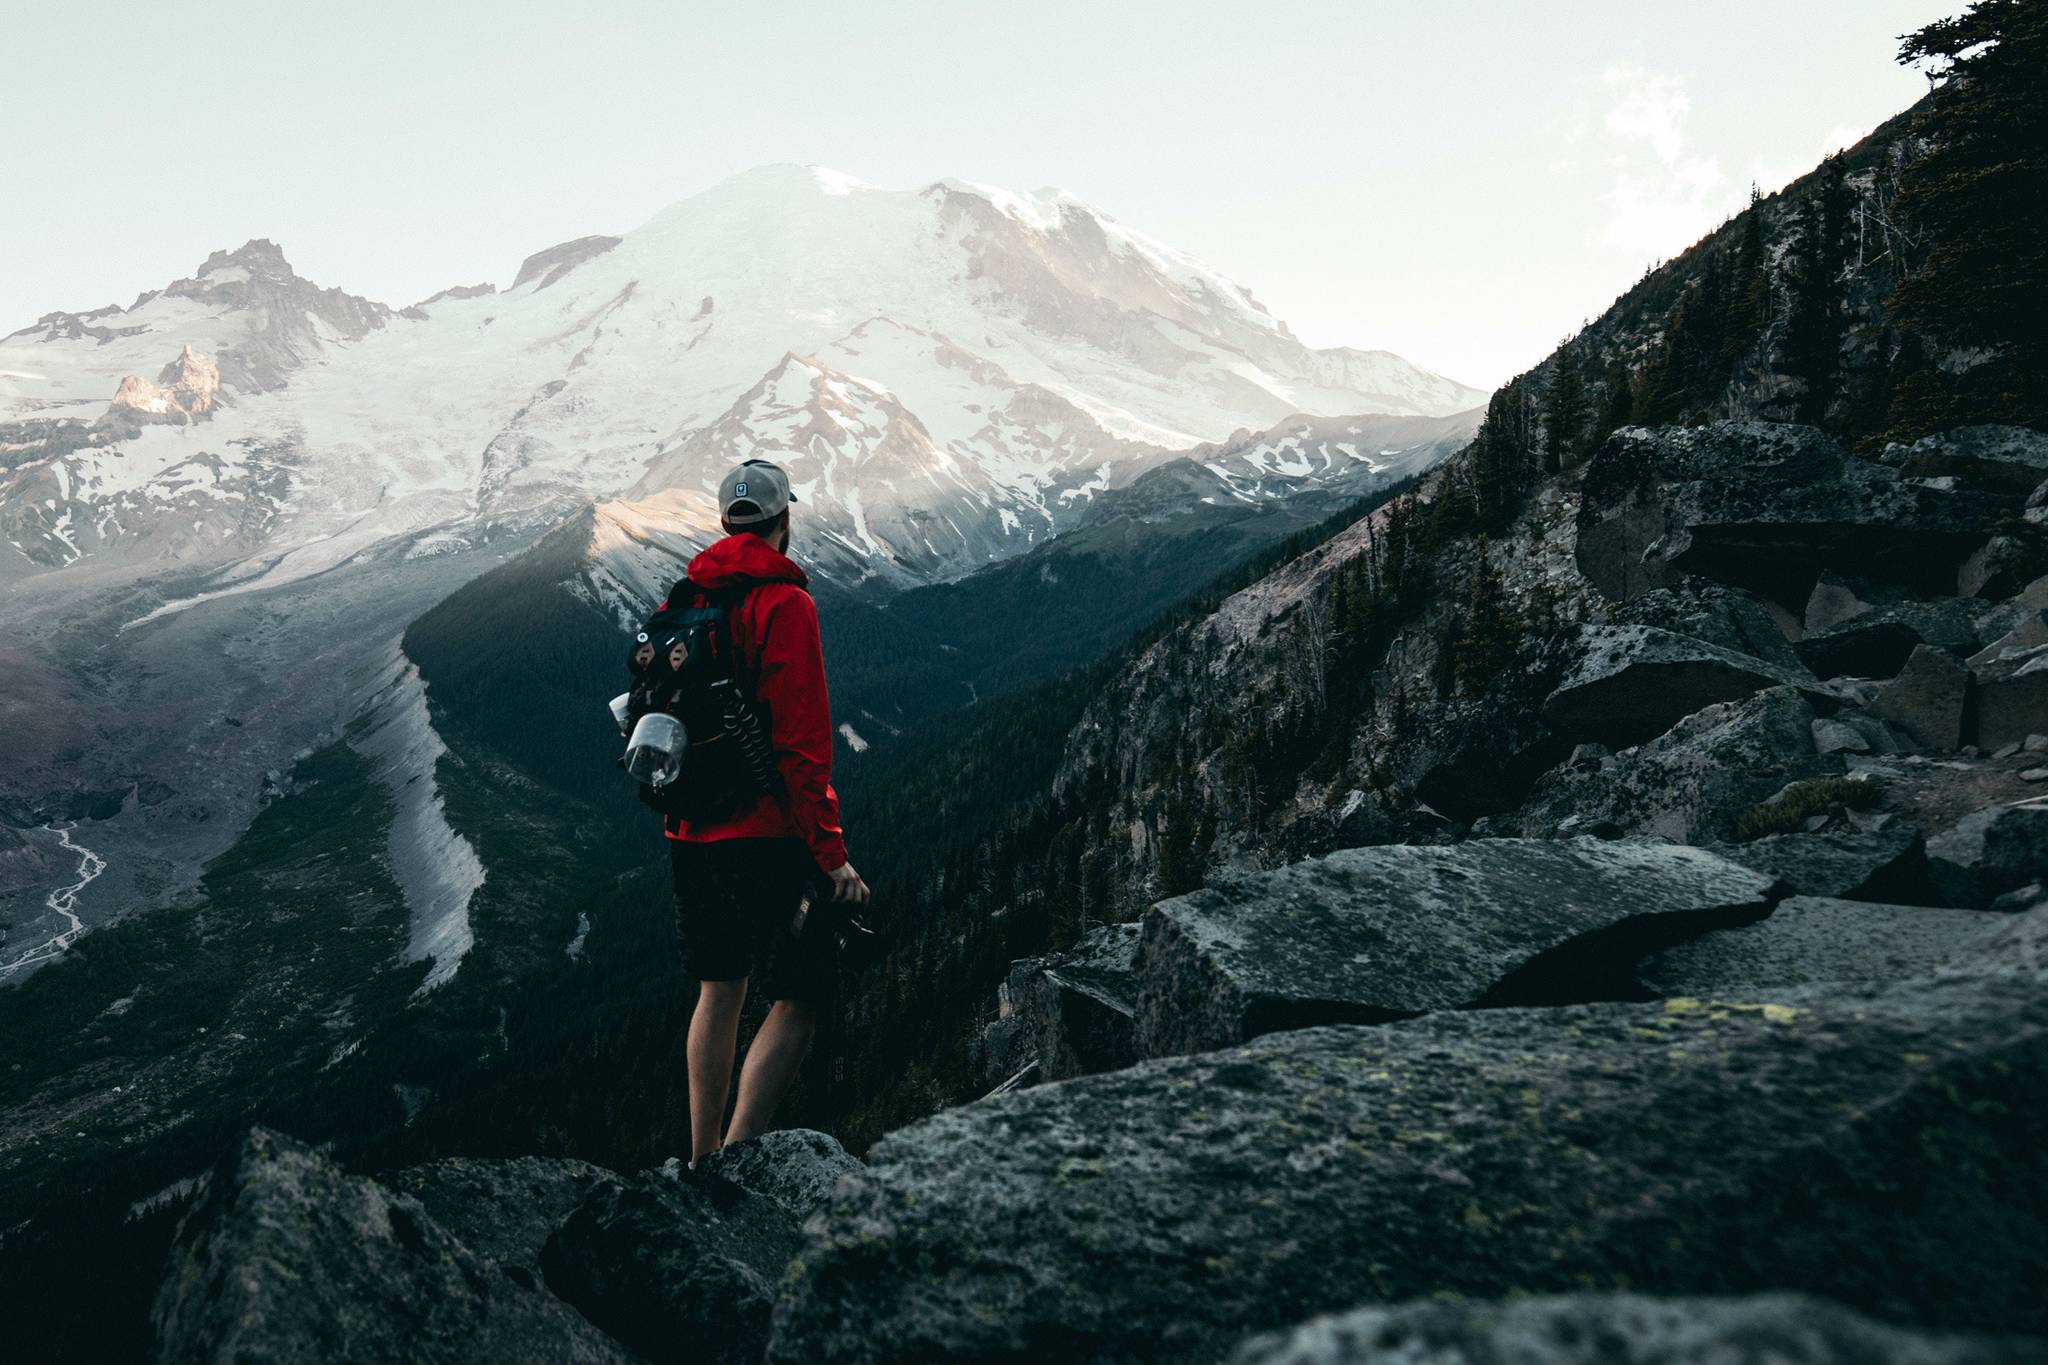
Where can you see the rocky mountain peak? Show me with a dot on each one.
(185, 390)
(556, 261)
(257, 255)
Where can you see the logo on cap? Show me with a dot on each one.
(739, 490)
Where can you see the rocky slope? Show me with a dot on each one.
(1864, 1136)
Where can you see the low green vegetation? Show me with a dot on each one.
(1802, 801)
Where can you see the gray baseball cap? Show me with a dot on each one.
(752, 492)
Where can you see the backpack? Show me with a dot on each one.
(685, 664)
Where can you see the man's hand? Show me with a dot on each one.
(847, 885)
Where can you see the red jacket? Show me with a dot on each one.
(775, 630)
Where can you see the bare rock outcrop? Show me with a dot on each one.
(1862, 1144)
(1071, 1013)
(1768, 507)
(1371, 934)
(1811, 939)
(795, 1167)
(1691, 784)
(1627, 1329)
(286, 1257)
(185, 391)
(1875, 865)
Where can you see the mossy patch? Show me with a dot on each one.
(1802, 801)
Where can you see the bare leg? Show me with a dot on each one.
(714, 1031)
(772, 1062)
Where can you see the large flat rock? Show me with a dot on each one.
(1627, 684)
(2005, 459)
(1370, 934)
(1812, 938)
(288, 1258)
(1881, 865)
(1627, 1329)
(1877, 1146)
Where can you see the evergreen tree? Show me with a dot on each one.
(1617, 398)
(1500, 458)
(1814, 315)
(1491, 631)
(1976, 204)
(1180, 860)
(1750, 290)
(1564, 409)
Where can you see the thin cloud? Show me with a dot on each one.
(1651, 109)
(1664, 195)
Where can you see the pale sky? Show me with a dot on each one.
(1458, 182)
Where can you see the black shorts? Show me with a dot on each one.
(738, 912)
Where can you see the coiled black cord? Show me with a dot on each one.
(743, 723)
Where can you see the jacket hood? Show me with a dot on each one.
(743, 558)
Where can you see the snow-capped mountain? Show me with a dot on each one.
(949, 373)
(1334, 454)
(220, 505)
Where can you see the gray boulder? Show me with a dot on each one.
(1468, 758)
(1767, 507)
(1720, 615)
(1881, 865)
(1371, 934)
(1626, 1329)
(285, 1258)
(1812, 938)
(1870, 646)
(1692, 783)
(1615, 684)
(1999, 568)
(2003, 459)
(2010, 677)
(1852, 730)
(1626, 684)
(2017, 947)
(1927, 698)
(1837, 599)
(1876, 643)
(795, 1167)
(678, 1268)
(502, 1209)
(1074, 1012)
(1862, 1143)
(1989, 853)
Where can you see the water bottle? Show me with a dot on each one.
(654, 755)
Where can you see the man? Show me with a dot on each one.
(740, 883)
